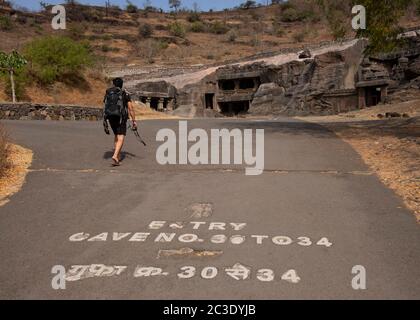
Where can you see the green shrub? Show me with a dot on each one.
(232, 36)
(162, 44)
(6, 23)
(336, 23)
(131, 8)
(198, 26)
(145, 30)
(53, 58)
(177, 29)
(278, 31)
(219, 27)
(76, 31)
(194, 17)
(106, 48)
(418, 7)
(292, 15)
(286, 5)
(300, 36)
(21, 19)
(106, 37)
(255, 41)
(255, 16)
(151, 48)
(338, 31)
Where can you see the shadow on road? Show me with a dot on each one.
(124, 154)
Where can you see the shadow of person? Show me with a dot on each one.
(124, 154)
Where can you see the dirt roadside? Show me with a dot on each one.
(14, 177)
(391, 147)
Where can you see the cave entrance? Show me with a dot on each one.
(248, 83)
(227, 85)
(154, 103)
(373, 96)
(209, 97)
(234, 108)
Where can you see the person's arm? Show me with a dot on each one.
(132, 113)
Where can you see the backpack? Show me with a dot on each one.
(114, 104)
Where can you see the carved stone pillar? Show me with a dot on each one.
(362, 98)
(384, 95)
(237, 84)
(255, 83)
(160, 104)
(148, 102)
(170, 105)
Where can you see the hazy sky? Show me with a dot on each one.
(203, 4)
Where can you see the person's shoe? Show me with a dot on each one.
(115, 162)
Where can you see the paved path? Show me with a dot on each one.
(314, 186)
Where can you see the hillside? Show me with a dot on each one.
(147, 38)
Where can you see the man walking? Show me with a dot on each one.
(118, 108)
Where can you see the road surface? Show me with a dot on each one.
(294, 232)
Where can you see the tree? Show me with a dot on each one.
(131, 8)
(44, 5)
(382, 23)
(174, 4)
(248, 4)
(145, 30)
(10, 63)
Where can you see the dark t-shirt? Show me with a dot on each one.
(126, 98)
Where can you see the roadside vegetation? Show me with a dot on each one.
(14, 163)
(55, 58)
(45, 61)
(390, 146)
(4, 152)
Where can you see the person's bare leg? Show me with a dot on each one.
(118, 146)
(115, 143)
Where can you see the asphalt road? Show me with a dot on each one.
(314, 186)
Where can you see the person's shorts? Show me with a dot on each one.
(118, 127)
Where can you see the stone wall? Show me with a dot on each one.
(30, 111)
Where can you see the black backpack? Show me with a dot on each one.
(114, 104)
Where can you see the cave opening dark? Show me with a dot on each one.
(227, 85)
(234, 108)
(247, 83)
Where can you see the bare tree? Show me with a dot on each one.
(175, 4)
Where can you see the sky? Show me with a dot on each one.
(204, 5)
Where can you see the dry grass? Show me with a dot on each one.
(13, 178)
(4, 152)
(144, 113)
(90, 93)
(411, 108)
(391, 147)
(392, 150)
(3, 95)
